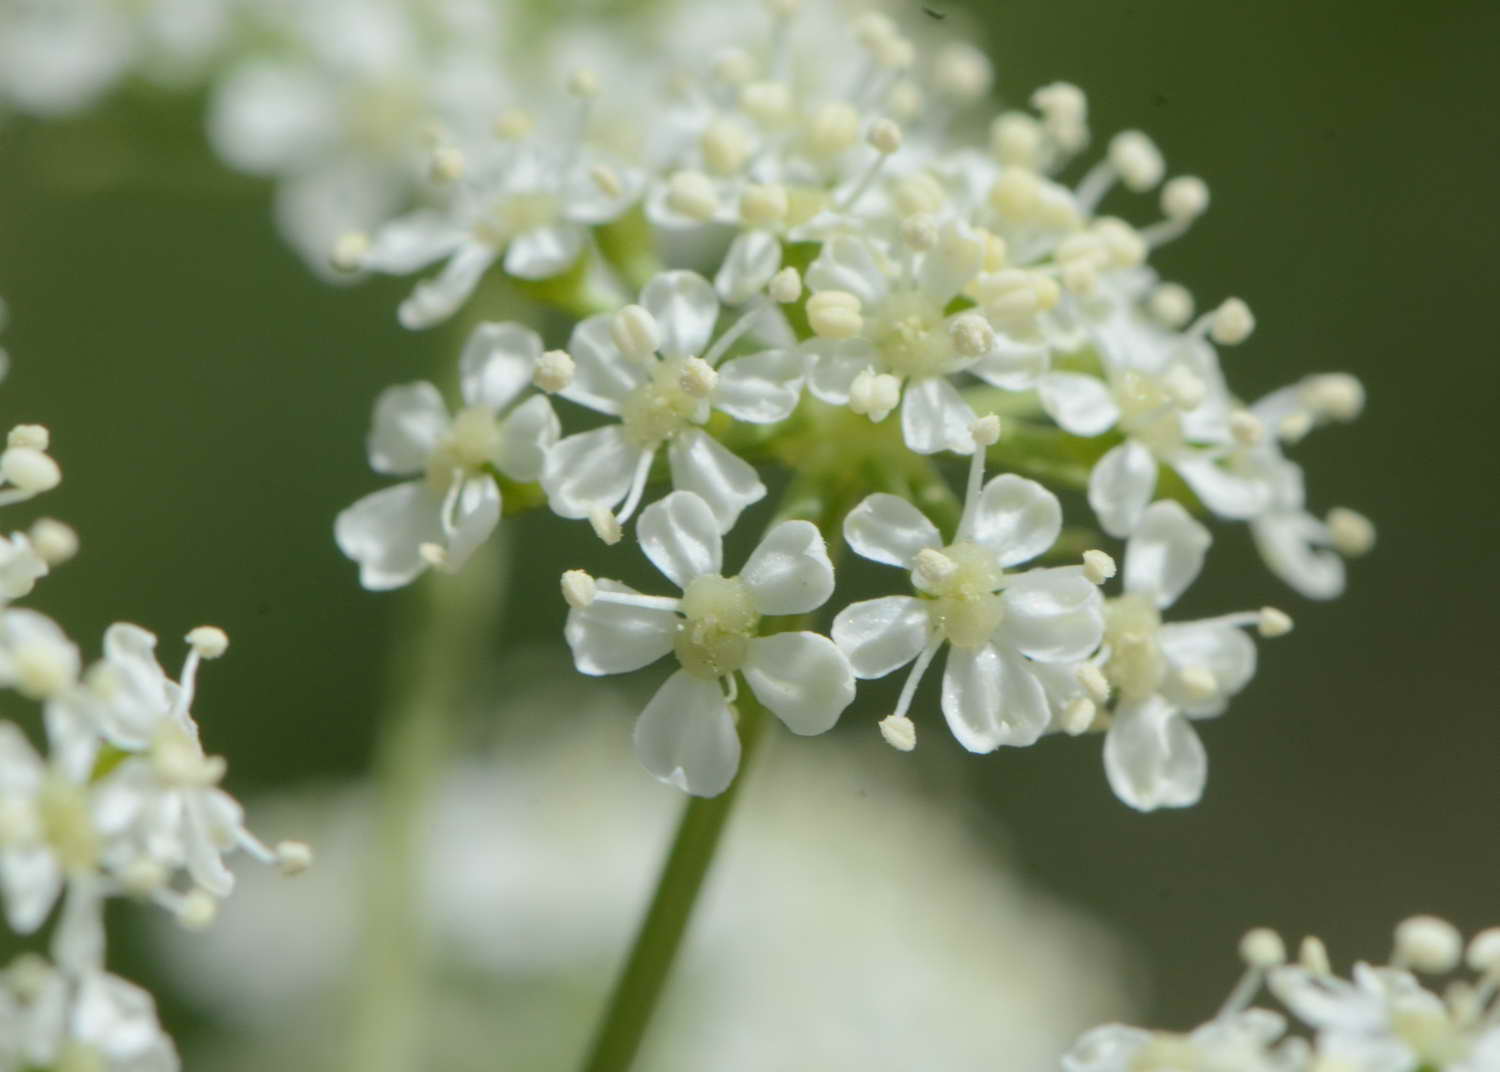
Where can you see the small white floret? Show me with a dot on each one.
(834, 314)
(554, 371)
(1428, 944)
(1098, 566)
(579, 588)
(785, 286)
(1262, 948)
(1273, 623)
(899, 732)
(1351, 532)
(209, 641)
(293, 857)
(635, 331)
(1233, 322)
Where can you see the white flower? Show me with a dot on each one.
(1001, 626)
(662, 386)
(686, 735)
(36, 657)
(445, 515)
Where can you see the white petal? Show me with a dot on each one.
(543, 252)
(1108, 1048)
(585, 201)
(991, 699)
(761, 388)
(935, 417)
(680, 536)
(1153, 758)
(78, 941)
(409, 421)
(835, 364)
(526, 434)
(1227, 494)
(1289, 541)
(600, 372)
(31, 878)
(888, 529)
(435, 300)
(1120, 487)
(410, 243)
(753, 258)
(802, 678)
(789, 572)
(475, 513)
(1017, 518)
(607, 638)
(725, 481)
(1222, 649)
(1082, 405)
(589, 469)
(1053, 615)
(384, 531)
(686, 736)
(1012, 364)
(881, 635)
(952, 263)
(1165, 553)
(848, 263)
(497, 363)
(685, 309)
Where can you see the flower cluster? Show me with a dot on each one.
(1381, 1019)
(812, 266)
(124, 802)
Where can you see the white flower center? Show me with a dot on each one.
(964, 579)
(911, 337)
(67, 825)
(513, 214)
(720, 622)
(662, 406)
(1136, 665)
(472, 442)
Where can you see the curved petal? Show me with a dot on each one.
(724, 480)
(950, 265)
(1165, 553)
(1153, 758)
(992, 699)
(680, 536)
(1120, 487)
(888, 529)
(761, 388)
(685, 308)
(1290, 543)
(435, 300)
(589, 469)
(789, 572)
(881, 635)
(802, 678)
(935, 417)
(1223, 650)
(1012, 364)
(602, 376)
(31, 879)
(848, 263)
(686, 736)
(474, 515)
(1053, 615)
(412, 242)
(608, 638)
(526, 434)
(384, 532)
(543, 252)
(1081, 405)
(497, 363)
(753, 258)
(834, 365)
(1108, 1048)
(1017, 519)
(1231, 495)
(409, 421)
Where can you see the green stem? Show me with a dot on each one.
(640, 985)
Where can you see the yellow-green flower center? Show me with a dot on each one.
(1136, 665)
(720, 621)
(661, 407)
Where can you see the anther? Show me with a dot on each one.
(1337, 394)
(1262, 948)
(884, 136)
(762, 205)
(635, 331)
(874, 394)
(904, 102)
(578, 588)
(29, 436)
(1172, 304)
(1271, 622)
(31, 471)
(1185, 387)
(208, 641)
(899, 732)
(692, 194)
(785, 286)
(986, 430)
(1016, 140)
(350, 251)
(293, 857)
(1093, 681)
(834, 314)
(1078, 716)
(1313, 956)
(513, 124)
(1246, 428)
(53, 541)
(447, 163)
(583, 83)
(434, 554)
(1098, 566)
(769, 103)
(197, 910)
(1350, 532)
(1428, 944)
(1484, 953)
(1198, 682)
(1232, 323)
(960, 70)
(972, 335)
(726, 146)
(1294, 426)
(1184, 198)
(834, 128)
(1137, 160)
(933, 568)
(606, 526)
(698, 377)
(554, 371)
(607, 179)
(919, 232)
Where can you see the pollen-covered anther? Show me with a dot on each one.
(972, 335)
(1232, 323)
(1122, 242)
(1098, 566)
(785, 286)
(31, 471)
(986, 430)
(874, 394)
(635, 331)
(1171, 304)
(1016, 140)
(1428, 944)
(1312, 955)
(1483, 955)
(1094, 682)
(834, 314)
(1271, 622)
(579, 588)
(583, 83)
(29, 436)
(554, 371)
(1198, 682)
(293, 857)
(197, 910)
(899, 732)
(1350, 532)
(692, 193)
(350, 251)
(1016, 195)
(1185, 387)
(1184, 198)
(209, 641)
(764, 204)
(607, 180)
(447, 164)
(884, 136)
(1137, 160)
(1338, 394)
(933, 569)
(53, 541)
(834, 128)
(1262, 947)
(606, 526)
(1246, 428)
(698, 377)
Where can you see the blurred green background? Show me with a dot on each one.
(209, 398)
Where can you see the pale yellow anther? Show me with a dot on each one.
(1262, 948)
(1077, 716)
(692, 193)
(899, 732)
(350, 251)
(1232, 323)
(209, 641)
(554, 371)
(884, 136)
(1171, 304)
(578, 588)
(833, 129)
(1098, 566)
(834, 314)
(1184, 198)
(1350, 532)
(785, 286)
(1273, 623)
(764, 205)
(605, 525)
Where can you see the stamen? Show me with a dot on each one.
(918, 668)
(579, 588)
(1098, 566)
(1313, 956)
(636, 599)
(884, 136)
(985, 433)
(637, 488)
(1261, 949)
(1427, 944)
(732, 334)
(605, 525)
(899, 732)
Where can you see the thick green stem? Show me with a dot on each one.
(640, 985)
(443, 635)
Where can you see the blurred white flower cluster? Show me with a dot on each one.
(1381, 1019)
(123, 803)
(809, 265)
